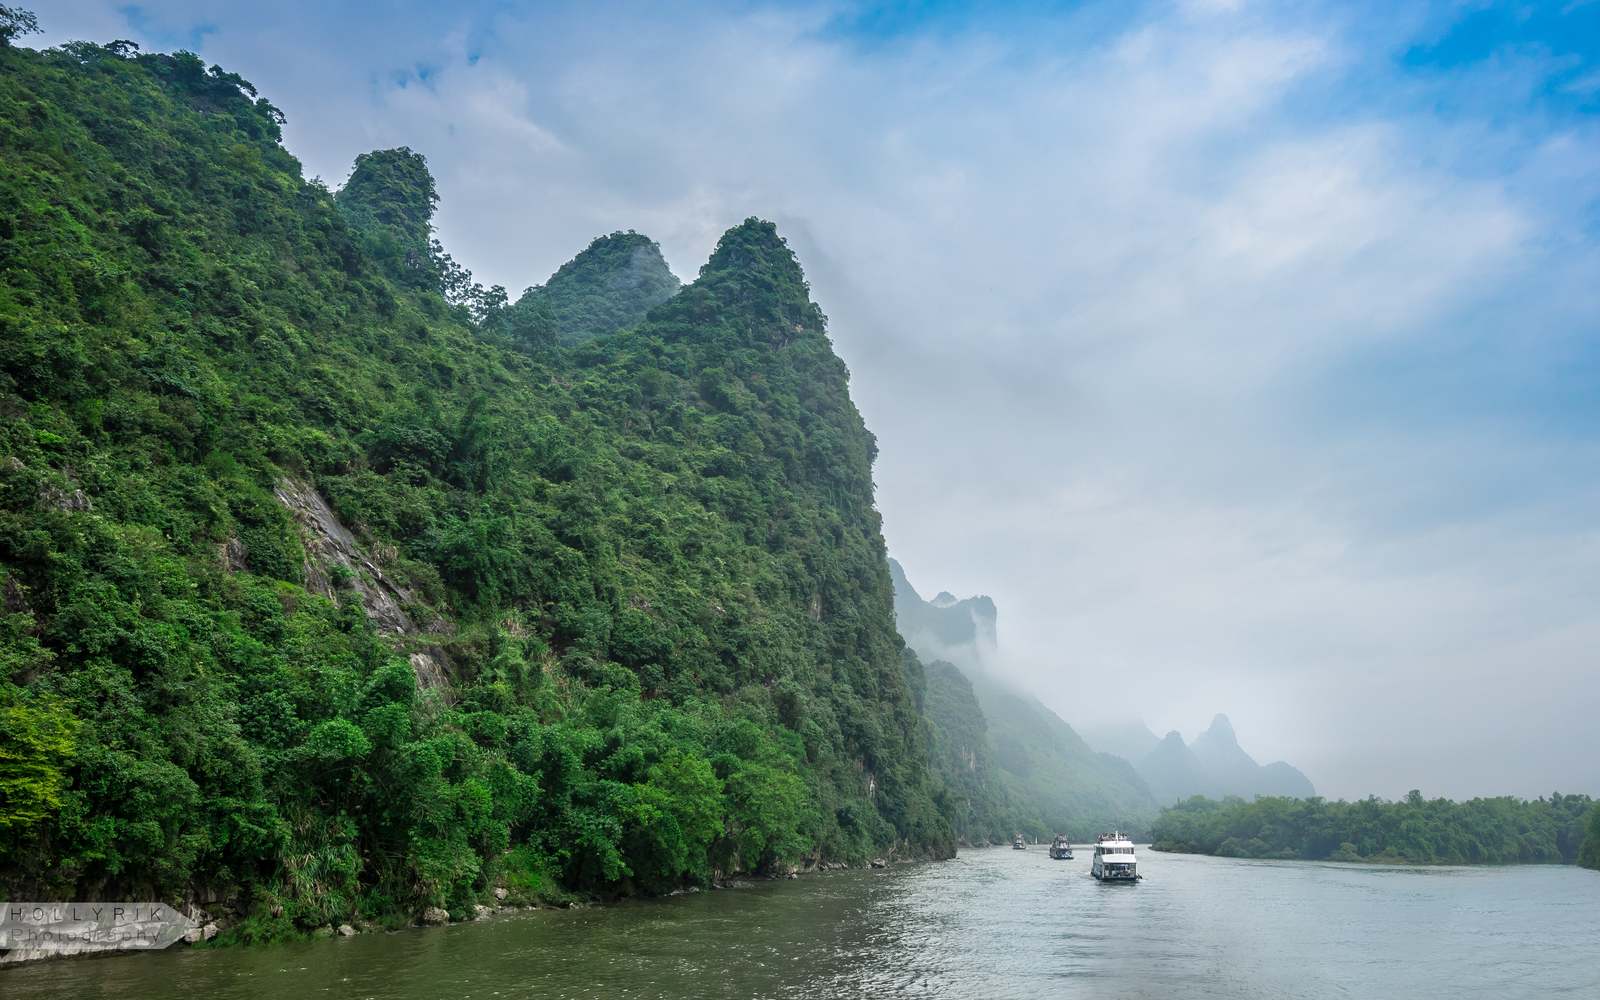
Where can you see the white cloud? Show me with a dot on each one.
(1127, 310)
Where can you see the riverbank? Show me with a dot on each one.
(229, 931)
(1411, 831)
(996, 924)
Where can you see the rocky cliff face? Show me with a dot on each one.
(335, 560)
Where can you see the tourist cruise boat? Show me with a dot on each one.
(1017, 843)
(1060, 849)
(1113, 859)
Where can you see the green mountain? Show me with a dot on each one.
(608, 287)
(1050, 780)
(327, 595)
(1051, 772)
(980, 808)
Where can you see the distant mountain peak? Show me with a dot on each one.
(959, 629)
(753, 245)
(754, 288)
(391, 189)
(1221, 728)
(609, 286)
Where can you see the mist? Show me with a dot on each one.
(1240, 353)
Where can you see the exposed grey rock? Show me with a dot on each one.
(60, 499)
(345, 930)
(500, 893)
(479, 911)
(329, 546)
(434, 916)
(14, 599)
(234, 555)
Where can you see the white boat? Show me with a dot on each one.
(1113, 859)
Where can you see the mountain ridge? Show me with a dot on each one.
(964, 632)
(1215, 765)
(336, 589)
(609, 286)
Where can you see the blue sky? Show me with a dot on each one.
(1250, 350)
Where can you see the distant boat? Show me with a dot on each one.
(1017, 843)
(1113, 859)
(1060, 849)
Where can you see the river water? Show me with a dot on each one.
(991, 924)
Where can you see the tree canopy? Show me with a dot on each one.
(1414, 830)
(335, 586)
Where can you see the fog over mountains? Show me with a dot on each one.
(964, 632)
(1213, 765)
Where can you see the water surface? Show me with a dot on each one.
(993, 923)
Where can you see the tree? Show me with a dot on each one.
(36, 746)
(16, 22)
(321, 592)
(1589, 854)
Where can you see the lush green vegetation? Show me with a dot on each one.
(1414, 830)
(641, 580)
(958, 739)
(1589, 853)
(608, 287)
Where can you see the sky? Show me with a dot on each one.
(1247, 354)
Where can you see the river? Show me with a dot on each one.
(991, 924)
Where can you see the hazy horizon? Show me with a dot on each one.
(1244, 352)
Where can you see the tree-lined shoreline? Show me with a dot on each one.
(1561, 829)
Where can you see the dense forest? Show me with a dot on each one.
(1413, 830)
(338, 586)
(1589, 853)
(981, 810)
(606, 288)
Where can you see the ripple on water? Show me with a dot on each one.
(990, 924)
